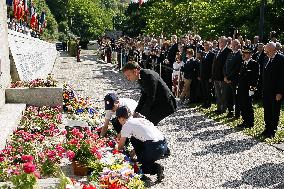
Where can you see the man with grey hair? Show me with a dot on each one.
(231, 72)
(273, 89)
(218, 74)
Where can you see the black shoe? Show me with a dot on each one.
(160, 174)
(230, 114)
(167, 153)
(240, 126)
(144, 178)
(267, 134)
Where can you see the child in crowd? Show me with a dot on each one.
(112, 102)
(148, 142)
(176, 76)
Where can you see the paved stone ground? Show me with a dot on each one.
(205, 154)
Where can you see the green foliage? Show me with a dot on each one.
(24, 181)
(50, 33)
(72, 46)
(258, 122)
(209, 18)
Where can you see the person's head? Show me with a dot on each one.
(111, 102)
(215, 44)
(178, 57)
(174, 39)
(229, 41)
(207, 46)
(256, 39)
(247, 52)
(223, 42)
(122, 114)
(260, 47)
(278, 46)
(131, 70)
(236, 45)
(270, 49)
(189, 53)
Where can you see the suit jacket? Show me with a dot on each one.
(205, 71)
(248, 76)
(156, 101)
(172, 53)
(190, 69)
(232, 66)
(218, 64)
(273, 76)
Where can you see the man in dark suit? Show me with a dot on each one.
(231, 72)
(205, 74)
(261, 59)
(248, 77)
(218, 75)
(170, 61)
(156, 101)
(273, 89)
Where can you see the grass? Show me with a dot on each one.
(258, 122)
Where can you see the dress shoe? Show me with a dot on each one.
(267, 134)
(240, 126)
(160, 173)
(230, 114)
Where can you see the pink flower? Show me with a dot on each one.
(70, 154)
(27, 158)
(37, 174)
(29, 167)
(2, 159)
(64, 132)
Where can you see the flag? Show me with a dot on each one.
(9, 2)
(42, 17)
(25, 5)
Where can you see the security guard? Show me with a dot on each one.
(248, 77)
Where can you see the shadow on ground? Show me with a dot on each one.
(213, 134)
(263, 176)
(228, 147)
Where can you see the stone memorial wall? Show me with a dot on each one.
(4, 53)
(32, 57)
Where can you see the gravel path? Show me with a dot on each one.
(205, 154)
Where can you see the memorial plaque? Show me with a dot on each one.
(33, 57)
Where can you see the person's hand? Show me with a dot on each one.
(225, 79)
(137, 115)
(278, 97)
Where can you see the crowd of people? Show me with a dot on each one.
(229, 71)
(23, 17)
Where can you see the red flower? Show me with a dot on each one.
(115, 151)
(70, 154)
(136, 168)
(27, 158)
(29, 167)
(111, 144)
(88, 187)
(2, 159)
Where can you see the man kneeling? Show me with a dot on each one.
(148, 142)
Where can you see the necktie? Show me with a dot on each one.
(270, 60)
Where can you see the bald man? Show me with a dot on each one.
(273, 89)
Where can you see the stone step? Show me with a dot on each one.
(10, 115)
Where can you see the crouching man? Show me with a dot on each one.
(112, 102)
(148, 142)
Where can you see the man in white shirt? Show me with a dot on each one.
(148, 142)
(112, 102)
